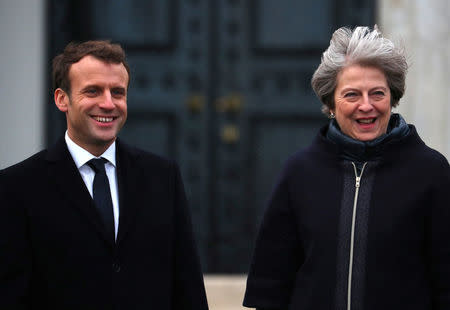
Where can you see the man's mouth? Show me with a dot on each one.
(366, 120)
(103, 119)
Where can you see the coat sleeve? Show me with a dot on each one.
(277, 255)
(440, 238)
(189, 290)
(15, 250)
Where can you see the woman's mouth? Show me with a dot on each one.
(366, 120)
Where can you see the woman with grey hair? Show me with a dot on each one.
(361, 218)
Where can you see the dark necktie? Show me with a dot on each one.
(102, 195)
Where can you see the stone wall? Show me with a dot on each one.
(22, 79)
(424, 27)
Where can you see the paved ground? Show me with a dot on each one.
(225, 292)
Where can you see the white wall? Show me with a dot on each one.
(21, 79)
(425, 29)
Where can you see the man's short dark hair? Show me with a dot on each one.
(102, 50)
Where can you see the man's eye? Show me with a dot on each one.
(91, 91)
(118, 92)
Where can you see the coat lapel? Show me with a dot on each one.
(129, 183)
(68, 181)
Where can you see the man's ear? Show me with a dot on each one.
(61, 100)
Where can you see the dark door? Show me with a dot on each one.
(221, 86)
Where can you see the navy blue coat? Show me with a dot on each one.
(54, 253)
(403, 244)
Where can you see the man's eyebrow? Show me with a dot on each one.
(91, 86)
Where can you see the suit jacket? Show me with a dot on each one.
(55, 254)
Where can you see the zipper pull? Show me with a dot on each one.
(357, 182)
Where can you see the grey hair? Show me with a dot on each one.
(363, 47)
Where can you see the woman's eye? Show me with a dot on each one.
(378, 94)
(350, 95)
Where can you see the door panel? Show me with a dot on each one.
(292, 24)
(267, 52)
(135, 23)
(223, 87)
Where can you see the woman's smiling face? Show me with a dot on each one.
(362, 102)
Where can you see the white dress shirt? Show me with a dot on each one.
(81, 157)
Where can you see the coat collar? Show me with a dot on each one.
(130, 181)
(63, 171)
(393, 149)
(362, 151)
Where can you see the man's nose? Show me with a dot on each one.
(107, 101)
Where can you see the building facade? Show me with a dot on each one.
(26, 120)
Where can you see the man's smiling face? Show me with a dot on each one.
(96, 108)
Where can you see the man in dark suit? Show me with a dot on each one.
(92, 223)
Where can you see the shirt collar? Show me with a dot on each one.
(81, 156)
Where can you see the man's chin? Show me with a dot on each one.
(103, 141)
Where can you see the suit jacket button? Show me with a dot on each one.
(116, 267)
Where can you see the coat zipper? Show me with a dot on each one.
(352, 236)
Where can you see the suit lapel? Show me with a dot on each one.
(128, 178)
(68, 181)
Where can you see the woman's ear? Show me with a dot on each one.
(61, 99)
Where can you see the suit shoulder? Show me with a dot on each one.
(25, 166)
(145, 158)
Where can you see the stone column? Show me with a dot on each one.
(22, 79)
(423, 26)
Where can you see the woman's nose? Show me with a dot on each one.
(365, 104)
